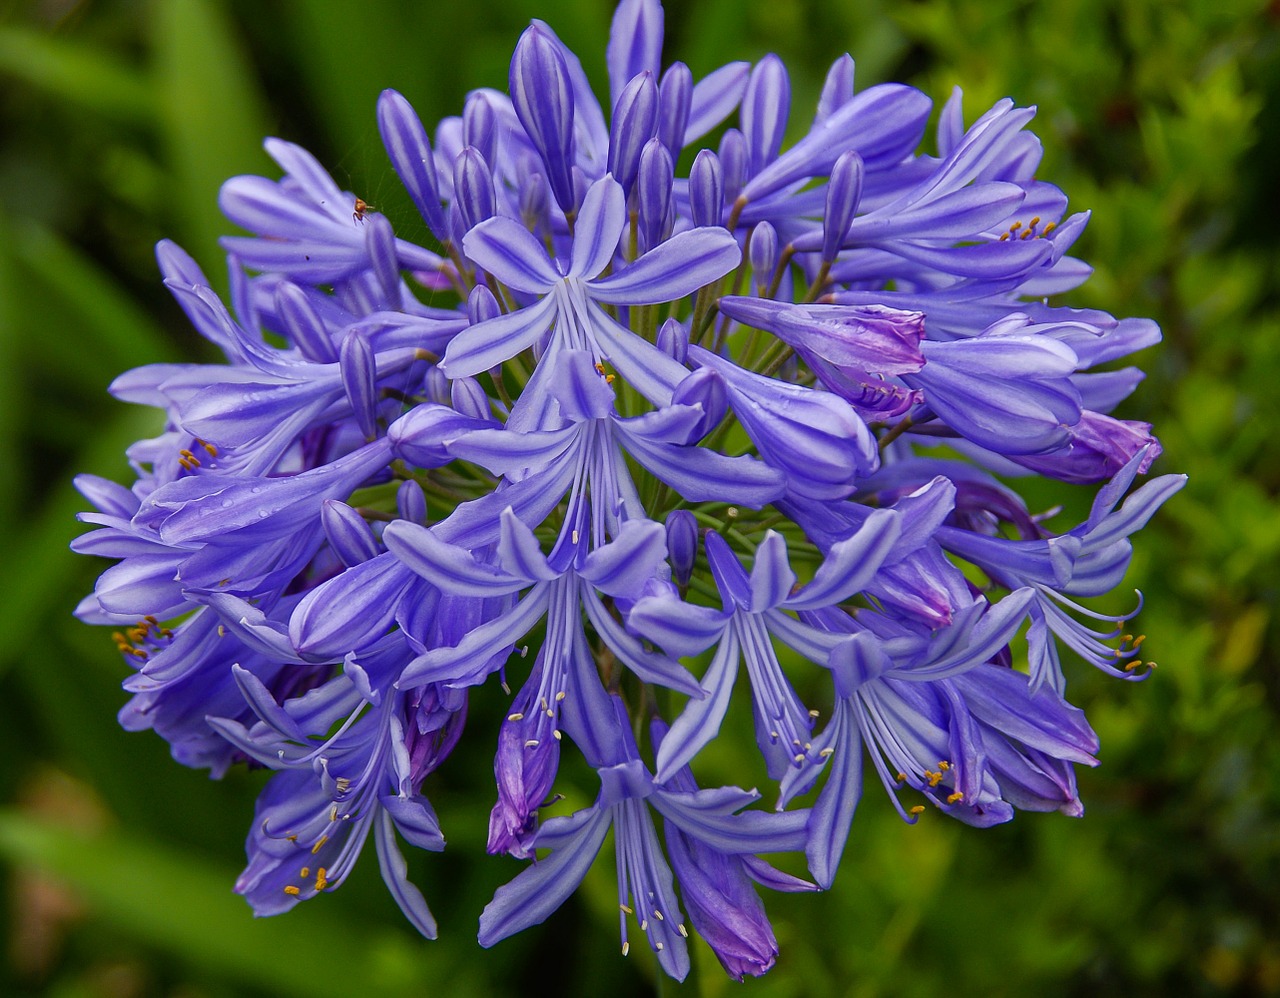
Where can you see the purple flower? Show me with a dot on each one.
(592, 459)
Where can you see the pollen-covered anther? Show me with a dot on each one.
(944, 765)
(322, 881)
(343, 784)
(323, 838)
(305, 872)
(933, 778)
(627, 909)
(1135, 664)
(826, 752)
(917, 809)
(292, 890)
(955, 798)
(901, 777)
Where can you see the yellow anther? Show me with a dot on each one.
(943, 765)
(955, 798)
(561, 695)
(550, 712)
(290, 889)
(151, 620)
(599, 368)
(933, 778)
(211, 450)
(901, 777)
(798, 758)
(918, 809)
(323, 838)
(1049, 228)
(1129, 667)
(305, 872)
(626, 948)
(1029, 234)
(627, 909)
(321, 880)
(291, 838)
(814, 713)
(1137, 642)
(1003, 236)
(826, 752)
(517, 716)
(1035, 221)
(343, 784)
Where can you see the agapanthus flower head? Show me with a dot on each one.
(670, 425)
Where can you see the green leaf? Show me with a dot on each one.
(212, 114)
(184, 904)
(76, 73)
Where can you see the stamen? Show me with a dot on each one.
(323, 838)
(517, 716)
(627, 909)
(290, 889)
(955, 798)
(918, 809)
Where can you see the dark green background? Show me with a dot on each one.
(118, 121)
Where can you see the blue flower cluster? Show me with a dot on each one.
(678, 432)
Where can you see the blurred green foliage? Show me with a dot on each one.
(118, 121)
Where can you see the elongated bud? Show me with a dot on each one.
(411, 502)
(733, 163)
(675, 97)
(472, 188)
(543, 99)
(682, 544)
(535, 203)
(411, 156)
(481, 305)
(635, 43)
(844, 192)
(765, 107)
(673, 340)
(420, 436)
(762, 251)
(705, 388)
(303, 325)
(350, 537)
(706, 190)
(359, 374)
(653, 194)
(380, 242)
(634, 119)
(437, 386)
(469, 399)
(837, 91)
(479, 124)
